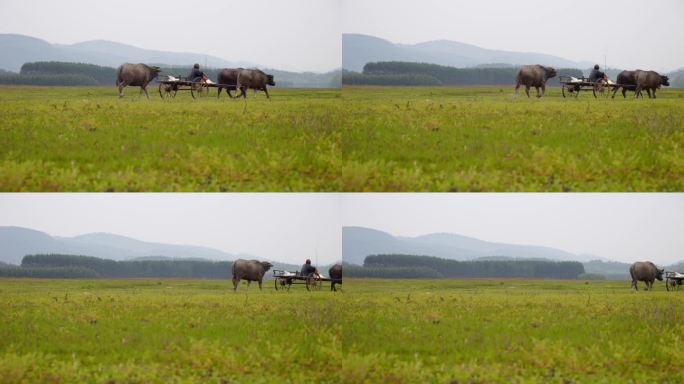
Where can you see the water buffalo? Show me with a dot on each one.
(534, 76)
(645, 271)
(335, 273)
(253, 79)
(627, 81)
(650, 81)
(250, 270)
(136, 75)
(228, 76)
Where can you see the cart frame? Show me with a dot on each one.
(574, 87)
(169, 88)
(673, 280)
(285, 279)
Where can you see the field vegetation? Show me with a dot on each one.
(87, 139)
(485, 139)
(357, 139)
(374, 331)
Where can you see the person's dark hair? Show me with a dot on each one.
(596, 66)
(196, 66)
(308, 261)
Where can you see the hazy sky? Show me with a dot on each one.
(621, 227)
(289, 227)
(284, 34)
(631, 33)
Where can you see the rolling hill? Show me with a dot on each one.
(359, 242)
(358, 49)
(16, 242)
(20, 49)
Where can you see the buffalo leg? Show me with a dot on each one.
(517, 86)
(615, 91)
(145, 90)
(527, 91)
(122, 85)
(266, 92)
(235, 283)
(654, 91)
(538, 93)
(260, 285)
(543, 87)
(218, 94)
(649, 93)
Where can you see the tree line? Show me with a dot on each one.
(64, 73)
(73, 266)
(407, 73)
(413, 266)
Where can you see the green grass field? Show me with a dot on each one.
(375, 331)
(485, 139)
(357, 139)
(87, 139)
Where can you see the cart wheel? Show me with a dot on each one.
(160, 90)
(563, 91)
(313, 284)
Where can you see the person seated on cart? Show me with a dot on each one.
(308, 269)
(597, 75)
(195, 73)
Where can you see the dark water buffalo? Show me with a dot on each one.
(335, 273)
(136, 75)
(534, 76)
(627, 81)
(254, 79)
(645, 271)
(228, 76)
(250, 270)
(650, 81)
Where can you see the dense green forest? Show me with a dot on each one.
(407, 73)
(63, 73)
(412, 266)
(71, 266)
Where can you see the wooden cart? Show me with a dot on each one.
(673, 280)
(170, 85)
(571, 85)
(285, 279)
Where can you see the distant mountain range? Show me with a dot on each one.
(357, 50)
(16, 242)
(20, 49)
(359, 242)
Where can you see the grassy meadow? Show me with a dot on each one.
(485, 139)
(87, 139)
(356, 139)
(374, 331)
